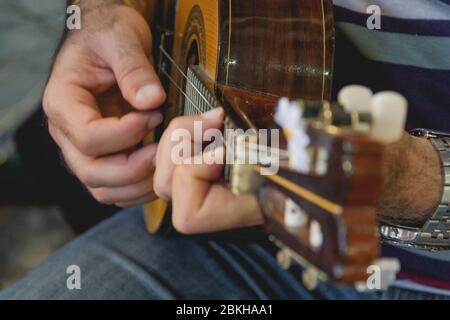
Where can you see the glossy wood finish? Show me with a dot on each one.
(280, 47)
(275, 47)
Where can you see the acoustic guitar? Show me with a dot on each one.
(244, 56)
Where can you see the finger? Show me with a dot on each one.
(202, 205)
(165, 157)
(74, 111)
(124, 194)
(127, 55)
(110, 171)
(121, 169)
(77, 65)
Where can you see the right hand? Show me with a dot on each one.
(101, 101)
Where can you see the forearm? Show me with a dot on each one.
(146, 7)
(413, 182)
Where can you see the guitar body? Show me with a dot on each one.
(270, 47)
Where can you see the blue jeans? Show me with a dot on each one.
(119, 260)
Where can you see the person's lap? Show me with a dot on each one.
(119, 260)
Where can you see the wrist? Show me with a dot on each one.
(110, 16)
(434, 234)
(413, 182)
(141, 6)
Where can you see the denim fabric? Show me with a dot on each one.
(120, 260)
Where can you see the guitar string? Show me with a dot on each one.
(253, 146)
(165, 53)
(181, 90)
(178, 68)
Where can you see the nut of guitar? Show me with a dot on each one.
(244, 179)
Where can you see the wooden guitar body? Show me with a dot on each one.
(274, 47)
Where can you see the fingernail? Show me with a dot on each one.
(155, 120)
(213, 114)
(147, 92)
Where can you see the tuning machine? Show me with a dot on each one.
(386, 110)
(311, 275)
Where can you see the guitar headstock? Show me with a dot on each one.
(319, 206)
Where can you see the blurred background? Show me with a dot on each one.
(36, 191)
(31, 226)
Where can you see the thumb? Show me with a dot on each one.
(139, 83)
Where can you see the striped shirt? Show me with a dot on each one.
(409, 54)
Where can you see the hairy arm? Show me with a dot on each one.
(413, 182)
(147, 8)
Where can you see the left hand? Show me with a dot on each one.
(200, 203)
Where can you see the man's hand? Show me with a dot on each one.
(101, 100)
(200, 203)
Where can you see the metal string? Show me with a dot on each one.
(253, 146)
(161, 48)
(181, 90)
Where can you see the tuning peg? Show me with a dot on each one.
(389, 110)
(294, 216)
(315, 235)
(355, 98)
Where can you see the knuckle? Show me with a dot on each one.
(183, 217)
(102, 196)
(161, 188)
(182, 223)
(46, 102)
(131, 69)
(85, 144)
(128, 72)
(174, 124)
(53, 133)
(55, 117)
(182, 175)
(68, 166)
(84, 176)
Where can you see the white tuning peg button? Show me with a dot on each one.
(355, 98)
(389, 111)
(294, 216)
